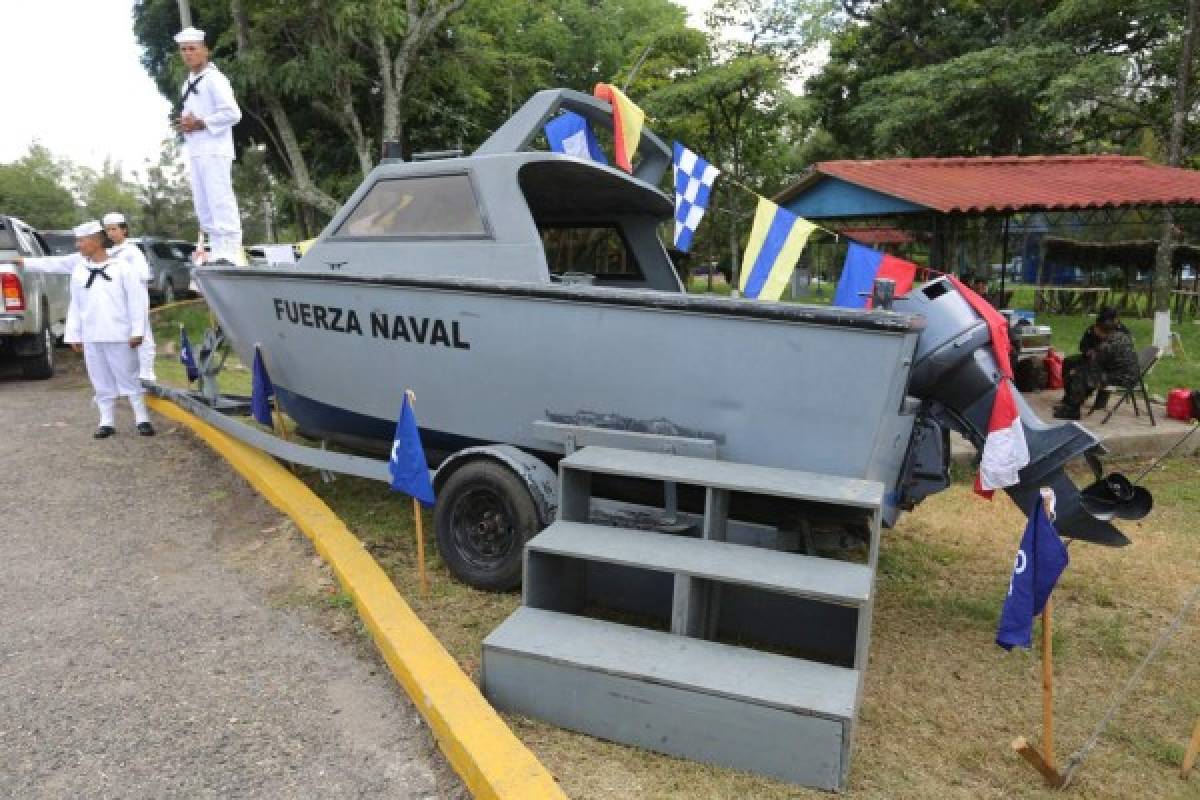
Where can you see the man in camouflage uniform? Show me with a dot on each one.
(1111, 362)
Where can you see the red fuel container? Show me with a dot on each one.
(1179, 404)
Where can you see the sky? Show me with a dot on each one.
(64, 62)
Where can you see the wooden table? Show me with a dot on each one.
(1068, 299)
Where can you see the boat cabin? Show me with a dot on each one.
(510, 214)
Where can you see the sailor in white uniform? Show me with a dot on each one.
(208, 113)
(106, 321)
(118, 233)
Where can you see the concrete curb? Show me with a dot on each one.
(483, 751)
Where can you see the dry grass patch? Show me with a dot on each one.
(942, 701)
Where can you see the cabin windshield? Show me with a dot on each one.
(599, 223)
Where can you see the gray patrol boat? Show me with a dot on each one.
(526, 298)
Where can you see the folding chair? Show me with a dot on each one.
(1147, 357)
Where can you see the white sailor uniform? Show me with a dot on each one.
(132, 255)
(209, 97)
(109, 307)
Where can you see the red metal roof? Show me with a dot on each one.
(876, 235)
(1015, 183)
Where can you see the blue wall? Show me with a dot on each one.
(833, 197)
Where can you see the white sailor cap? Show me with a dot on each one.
(113, 218)
(188, 35)
(89, 228)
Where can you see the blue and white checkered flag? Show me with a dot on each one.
(693, 184)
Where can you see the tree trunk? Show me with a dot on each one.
(304, 188)
(185, 14)
(1162, 266)
(394, 72)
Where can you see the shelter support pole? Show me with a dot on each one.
(1004, 253)
(1043, 761)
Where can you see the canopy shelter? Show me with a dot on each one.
(964, 212)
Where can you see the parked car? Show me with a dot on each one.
(170, 267)
(61, 243)
(33, 308)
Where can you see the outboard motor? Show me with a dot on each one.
(955, 375)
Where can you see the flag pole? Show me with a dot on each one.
(1189, 757)
(1043, 761)
(417, 520)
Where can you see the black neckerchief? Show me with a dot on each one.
(191, 88)
(100, 270)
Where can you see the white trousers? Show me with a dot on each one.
(216, 205)
(112, 368)
(146, 357)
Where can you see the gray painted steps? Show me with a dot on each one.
(828, 580)
(725, 705)
(738, 673)
(786, 483)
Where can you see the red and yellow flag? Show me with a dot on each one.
(627, 123)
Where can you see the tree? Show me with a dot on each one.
(920, 77)
(33, 189)
(107, 191)
(165, 196)
(1162, 266)
(730, 104)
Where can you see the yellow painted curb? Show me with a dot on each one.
(483, 751)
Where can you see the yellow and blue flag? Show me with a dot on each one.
(776, 240)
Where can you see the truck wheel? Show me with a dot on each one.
(483, 517)
(41, 366)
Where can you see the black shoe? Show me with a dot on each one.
(1066, 412)
(145, 429)
(104, 431)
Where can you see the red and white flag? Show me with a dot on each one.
(1005, 451)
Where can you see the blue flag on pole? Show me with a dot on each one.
(410, 470)
(186, 356)
(571, 134)
(261, 391)
(1040, 561)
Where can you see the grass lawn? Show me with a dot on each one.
(936, 683)
(235, 379)
(942, 702)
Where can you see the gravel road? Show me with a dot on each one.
(165, 633)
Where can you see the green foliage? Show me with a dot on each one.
(914, 77)
(165, 196)
(32, 188)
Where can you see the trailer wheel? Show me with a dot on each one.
(483, 517)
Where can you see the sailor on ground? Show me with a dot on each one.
(106, 321)
(117, 230)
(207, 112)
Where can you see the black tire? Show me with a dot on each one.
(483, 517)
(41, 366)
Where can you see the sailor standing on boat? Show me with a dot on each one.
(106, 321)
(207, 113)
(118, 233)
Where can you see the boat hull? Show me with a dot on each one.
(486, 362)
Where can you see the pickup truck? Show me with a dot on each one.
(33, 308)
